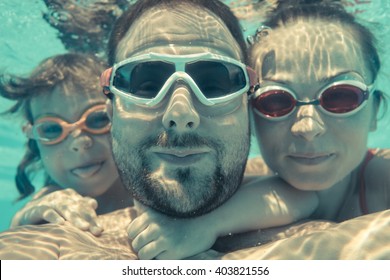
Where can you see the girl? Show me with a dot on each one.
(68, 136)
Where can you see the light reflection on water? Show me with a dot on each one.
(26, 39)
(349, 240)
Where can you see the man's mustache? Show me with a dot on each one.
(189, 140)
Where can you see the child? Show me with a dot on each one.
(68, 134)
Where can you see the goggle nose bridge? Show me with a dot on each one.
(185, 78)
(299, 103)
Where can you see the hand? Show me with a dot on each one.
(157, 236)
(58, 207)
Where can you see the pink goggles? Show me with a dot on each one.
(340, 99)
(52, 130)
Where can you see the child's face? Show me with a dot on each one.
(309, 148)
(82, 161)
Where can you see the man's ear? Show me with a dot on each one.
(109, 108)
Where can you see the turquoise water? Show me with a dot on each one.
(26, 39)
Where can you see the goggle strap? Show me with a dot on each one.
(253, 80)
(27, 130)
(105, 81)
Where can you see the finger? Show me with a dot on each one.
(139, 207)
(147, 236)
(52, 216)
(91, 202)
(169, 251)
(77, 221)
(173, 253)
(96, 230)
(78, 215)
(94, 227)
(41, 214)
(86, 223)
(137, 226)
(150, 251)
(167, 255)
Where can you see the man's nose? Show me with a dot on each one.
(308, 124)
(180, 113)
(80, 141)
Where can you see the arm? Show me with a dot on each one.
(261, 203)
(56, 206)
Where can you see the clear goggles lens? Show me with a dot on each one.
(147, 79)
(341, 98)
(52, 130)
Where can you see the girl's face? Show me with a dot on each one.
(310, 149)
(82, 161)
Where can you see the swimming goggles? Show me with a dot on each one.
(52, 130)
(146, 79)
(341, 98)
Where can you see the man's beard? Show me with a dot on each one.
(188, 192)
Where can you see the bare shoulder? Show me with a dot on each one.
(379, 166)
(377, 176)
(257, 167)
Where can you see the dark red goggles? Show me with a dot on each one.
(342, 98)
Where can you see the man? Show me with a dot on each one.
(172, 133)
(170, 119)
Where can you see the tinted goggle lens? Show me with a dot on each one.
(53, 130)
(216, 79)
(146, 79)
(342, 98)
(49, 130)
(97, 120)
(338, 99)
(275, 103)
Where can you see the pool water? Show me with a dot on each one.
(26, 39)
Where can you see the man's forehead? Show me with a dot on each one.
(324, 49)
(181, 30)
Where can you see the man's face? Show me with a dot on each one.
(180, 157)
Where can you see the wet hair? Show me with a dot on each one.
(288, 11)
(83, 26)
(135, 11)
(78, 70)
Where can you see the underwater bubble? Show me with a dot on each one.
(59, 16)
